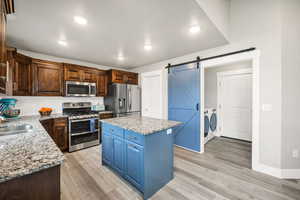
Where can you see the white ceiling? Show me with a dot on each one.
(114, 26)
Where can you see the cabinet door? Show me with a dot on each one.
(102, 85)
(22, 76)
(134, 163)
(72, 73)
(117, 76)
(48, 125)
(2, 34)
(61, 133)
(89, 76)
(107, 148)
(48, 79)
(118, 151)
(132, 78)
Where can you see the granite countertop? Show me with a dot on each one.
(142, 125)
(30, 152)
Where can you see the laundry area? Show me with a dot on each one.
(228, 101)
(216, 98)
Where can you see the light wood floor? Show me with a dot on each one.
(222, 172)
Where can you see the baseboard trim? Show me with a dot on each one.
(272, 171)
(290, 173)
(276, 172)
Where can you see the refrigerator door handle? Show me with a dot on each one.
(124, 101)
(120, 103)
(130, 99)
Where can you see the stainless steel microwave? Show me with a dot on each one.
(80, 89)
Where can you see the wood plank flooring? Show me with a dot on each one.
(222, 172)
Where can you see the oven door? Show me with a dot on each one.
(83, 126)
(77, 89)
(83, 133)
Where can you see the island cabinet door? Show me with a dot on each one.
(107, 148)
(118, 151)
(134, 159)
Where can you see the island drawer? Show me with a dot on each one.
(134, 137)
(117, 131)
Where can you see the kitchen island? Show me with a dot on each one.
(30, 162)
(139, 149)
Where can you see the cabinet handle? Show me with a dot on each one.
(133, 146)
(132, 138)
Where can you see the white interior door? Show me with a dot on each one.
(235, 105)
(152, 94)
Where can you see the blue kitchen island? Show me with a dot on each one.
(139, 149)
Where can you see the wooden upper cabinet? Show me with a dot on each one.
(72, 72)
(79, 73)
(89, 75)
(117, 76)
(102, 84)
(2, 34)
(48, 78)
(22, 74)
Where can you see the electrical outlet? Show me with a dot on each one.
(295, 153)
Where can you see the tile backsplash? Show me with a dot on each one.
(31, 104)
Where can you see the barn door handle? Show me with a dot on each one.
(197, 106)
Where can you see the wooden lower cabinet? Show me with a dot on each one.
(48, 78)
(42, 185)
(58, 130)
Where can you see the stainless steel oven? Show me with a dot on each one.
(83, 133)
(83, 125)
(80, 89)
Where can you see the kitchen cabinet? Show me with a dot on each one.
(118, 76)
(89, 75)
(118, 154)
(2, 34)
(60, 132)
(134, 163)
(106, 115)
(107, 147)
(79, 73)
(145, 161)
(72, 72)
(102, 84)
(57, 129)
(22, 74)
(41, 185)
(48, 78)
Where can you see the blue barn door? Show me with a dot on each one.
(184, 104)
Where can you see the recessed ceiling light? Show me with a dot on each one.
(62, 43)
(80, 20)
(148, 47)
(194, 29)
(121, 57)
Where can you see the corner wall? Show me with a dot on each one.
(291, 85)
(255, 23)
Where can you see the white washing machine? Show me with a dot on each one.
(210, 124)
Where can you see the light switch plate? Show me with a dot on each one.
(169, 131)
(267, 107)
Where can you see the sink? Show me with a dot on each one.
(15, 129)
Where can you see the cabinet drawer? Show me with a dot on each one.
(117, 131)
(134, 137)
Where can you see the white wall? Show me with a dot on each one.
(255, 23)
(291, 84)
(211, 84)
(31, 105)
(219, 12)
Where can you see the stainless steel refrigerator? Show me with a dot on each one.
(123, 99)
